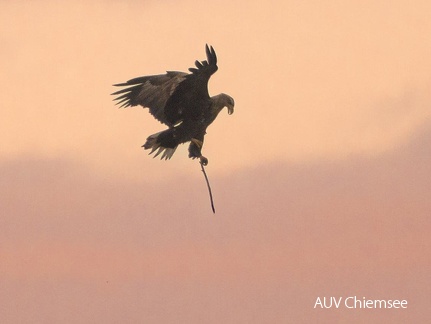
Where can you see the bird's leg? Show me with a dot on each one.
(197, 142)
(195, 152)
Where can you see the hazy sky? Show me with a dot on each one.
(320, 177)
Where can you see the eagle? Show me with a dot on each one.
(181, 101)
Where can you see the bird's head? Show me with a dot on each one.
(223, 100)
(230, 104)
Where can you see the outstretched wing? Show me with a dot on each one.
(152, 92)
(191, 98)
(175, 96)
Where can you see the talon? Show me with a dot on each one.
(203, 160)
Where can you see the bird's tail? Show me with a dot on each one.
(160, 142)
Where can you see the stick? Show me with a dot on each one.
(209, 188)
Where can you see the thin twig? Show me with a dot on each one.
(209, 188)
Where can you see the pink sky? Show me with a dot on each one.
(320, 177)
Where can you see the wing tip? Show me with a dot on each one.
(209, 65)
(211, 54)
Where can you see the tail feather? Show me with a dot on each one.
(153, 144)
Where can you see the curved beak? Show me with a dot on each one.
(230, 109)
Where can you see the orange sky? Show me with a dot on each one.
(320, 176)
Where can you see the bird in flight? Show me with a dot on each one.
(182, 102)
